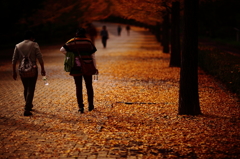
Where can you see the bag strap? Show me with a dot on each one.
(28, 52)
(77, 49)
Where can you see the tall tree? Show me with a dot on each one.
(175, 58)
(158, 31)
(165, 35)
(188, 93)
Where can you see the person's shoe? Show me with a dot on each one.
(31, 108)
(27, 113)
(90, 108)
(81, 110)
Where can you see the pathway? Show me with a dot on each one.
(136, 100)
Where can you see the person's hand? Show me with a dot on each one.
(96, 72)
(15, 75)
(43, 73)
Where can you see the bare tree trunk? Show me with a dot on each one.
(175, 59)
(188, 94)
(165, 33)
(158, 33)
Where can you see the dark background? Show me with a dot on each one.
(217, 19)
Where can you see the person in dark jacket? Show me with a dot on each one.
(104, 35)
(128, 29)
(91, 32)
(84, 46)
(119, 30)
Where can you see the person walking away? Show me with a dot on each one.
(104, 35)
(119, 29)
(128, 29)
(84, 46)
(91, 32)
(25, 48)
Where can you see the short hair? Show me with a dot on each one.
(81, 31)
(29, 34)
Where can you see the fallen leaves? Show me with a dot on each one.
(136, 101)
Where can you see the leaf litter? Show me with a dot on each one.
(136, 100)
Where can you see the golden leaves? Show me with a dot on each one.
(136, 101)
(142, 11)
(143, 93)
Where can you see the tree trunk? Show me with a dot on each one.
(165, 33)
(188, 94)
(175, 59)
(158, 33)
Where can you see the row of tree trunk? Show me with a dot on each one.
(185, 57)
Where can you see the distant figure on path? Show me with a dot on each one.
(31, 48)
(84, 46)
(91, 32)
(119, 30)
(104, 35)
(128, 29)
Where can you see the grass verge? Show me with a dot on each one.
(222, 65)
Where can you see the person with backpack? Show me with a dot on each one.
(77, 50)
(27, 53)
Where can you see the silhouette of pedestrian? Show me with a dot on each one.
(83, 45)
(128, 30)
(119, 29)
(91, 32)
(104, 35)
(32, 49)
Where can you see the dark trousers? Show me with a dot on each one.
(104, 41)
(89, 87)
(29, 85)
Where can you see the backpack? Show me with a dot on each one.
(69, 61)
(27, 68)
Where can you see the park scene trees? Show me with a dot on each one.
(162, 113)
(161, 16)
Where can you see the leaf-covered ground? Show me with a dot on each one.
(136, 100)
(143, 103)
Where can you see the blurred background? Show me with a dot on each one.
(56, 21)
